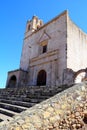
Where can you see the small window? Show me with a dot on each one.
(44, 48)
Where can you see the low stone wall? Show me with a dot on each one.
(66, 110)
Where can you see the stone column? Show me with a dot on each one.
(53, 72)
(30, 75)
(49, 68)
(35, 75)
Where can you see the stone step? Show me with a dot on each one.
(18, 103)
(7, 112)
(41, 97)
(26, 99)
(37, 96)
(37, 93)
(23, 99)
(5, 117)
(32, 100)
(30, 91)
(13, 108)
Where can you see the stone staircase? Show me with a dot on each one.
(15, 100)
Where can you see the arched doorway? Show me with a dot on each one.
(12, 81)
(41, 78)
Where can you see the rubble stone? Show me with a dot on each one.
(61, 112)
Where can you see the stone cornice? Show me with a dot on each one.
(44, 58)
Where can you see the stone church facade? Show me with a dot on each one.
(53, 54)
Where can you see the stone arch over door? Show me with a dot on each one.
(41, 77)
(80, 76)
(12, 81)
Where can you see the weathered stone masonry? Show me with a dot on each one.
(55, 51)
(66, 110)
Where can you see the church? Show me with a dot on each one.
(53, 54)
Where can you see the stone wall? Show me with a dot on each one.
(21, 78)
(55, 32)
(76, 47)
(48, 62)
(68, 76)
(15, 73)
(66, 110)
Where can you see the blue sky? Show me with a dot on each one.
(13, 17)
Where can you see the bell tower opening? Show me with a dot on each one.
(41, 77)
(32, 25)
